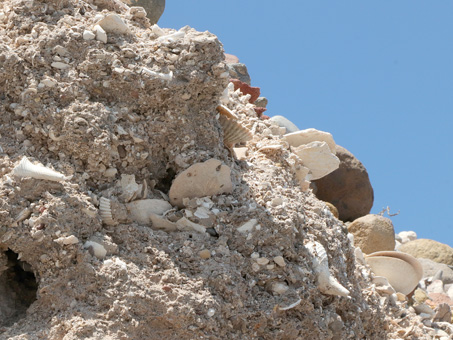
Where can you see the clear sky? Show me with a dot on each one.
(377, 75)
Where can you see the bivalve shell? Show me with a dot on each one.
(402, 270)
(234, 132)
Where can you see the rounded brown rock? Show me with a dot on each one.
(348, 188)
(373, 233)
(429, 249)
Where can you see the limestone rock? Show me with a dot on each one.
(199, 180)
(373, 233)
(348, 188)
(310, 135)
(286, 123)
(429, 249)
(231, 59)
(430, 268)
(261, 102)
(406, 236)
(318, 158)
(154, 8)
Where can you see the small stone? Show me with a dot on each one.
(95, 249)
(401, 297)
(154, 8)
(373, 233)
(101, 35)
(259, 111)
(239, 71)
(110, 172)
(67, 240)
(59, 65)
(248, 226)
(280, 261)
(200, 180)
(205, 254)
(279, 287)
(211, 312)
(443, 313)
(407, 236)
(436, 299)
(420, 295)
(424, 308)
(137, 12)
(88, 35)
(241, 153)
(49, 82)
(262, 261)
(245, 88)
(255, 267)
(261, 102)
(285, 123)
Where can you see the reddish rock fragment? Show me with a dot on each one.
(254, 92)
(259, 111)
(436, 299)
(264, 117)
(231, 59)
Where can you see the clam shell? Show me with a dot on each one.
(234, 132)
(223, 110)
(105, 211)
(402, 270)
(25, 168)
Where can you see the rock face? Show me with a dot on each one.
(154, 8)
(429, 249)
(348, 188)
(373, 233)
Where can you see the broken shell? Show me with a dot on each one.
(200, 180)
(27, 169)
(105, 211)
(25, 213)
(402, 270)
(234, 132)
(129, 187)
(295, 304)
(327, 283)
(223, 110)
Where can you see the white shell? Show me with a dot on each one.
(327, 283)
(25, 168)
(105, 211)
(402, 270)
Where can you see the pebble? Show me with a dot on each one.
(88, 35)
(280, 261)
(59, 65)
(262, 261)
(205, 254)
(101, 35)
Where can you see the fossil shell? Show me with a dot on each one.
(25, 168)
(24, 214)
(223, 110)
(141, 210)
(327, 283)
(105, 211)
(402, 270)
(234, 132)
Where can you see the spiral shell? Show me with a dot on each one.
(25, 168)
(327, 283)
(234, 132)
(105, 211)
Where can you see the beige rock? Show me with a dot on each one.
(205, 254)
(373, 233)
(113, 23)
(318, 157)
(141, 211)
(307, 136)
(200, 180)
(429, 249)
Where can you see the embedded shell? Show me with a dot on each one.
(234, 132)
(327, 283)
(25, 168)
(402, 270)
(105, 211)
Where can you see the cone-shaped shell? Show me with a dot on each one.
(25, 168)
(402, 270)
(234, 132)
(327, 283)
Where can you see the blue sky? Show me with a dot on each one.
(378, 75)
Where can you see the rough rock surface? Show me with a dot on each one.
(429, 249)
(348, 188)
(143, 104)
(373, 233)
